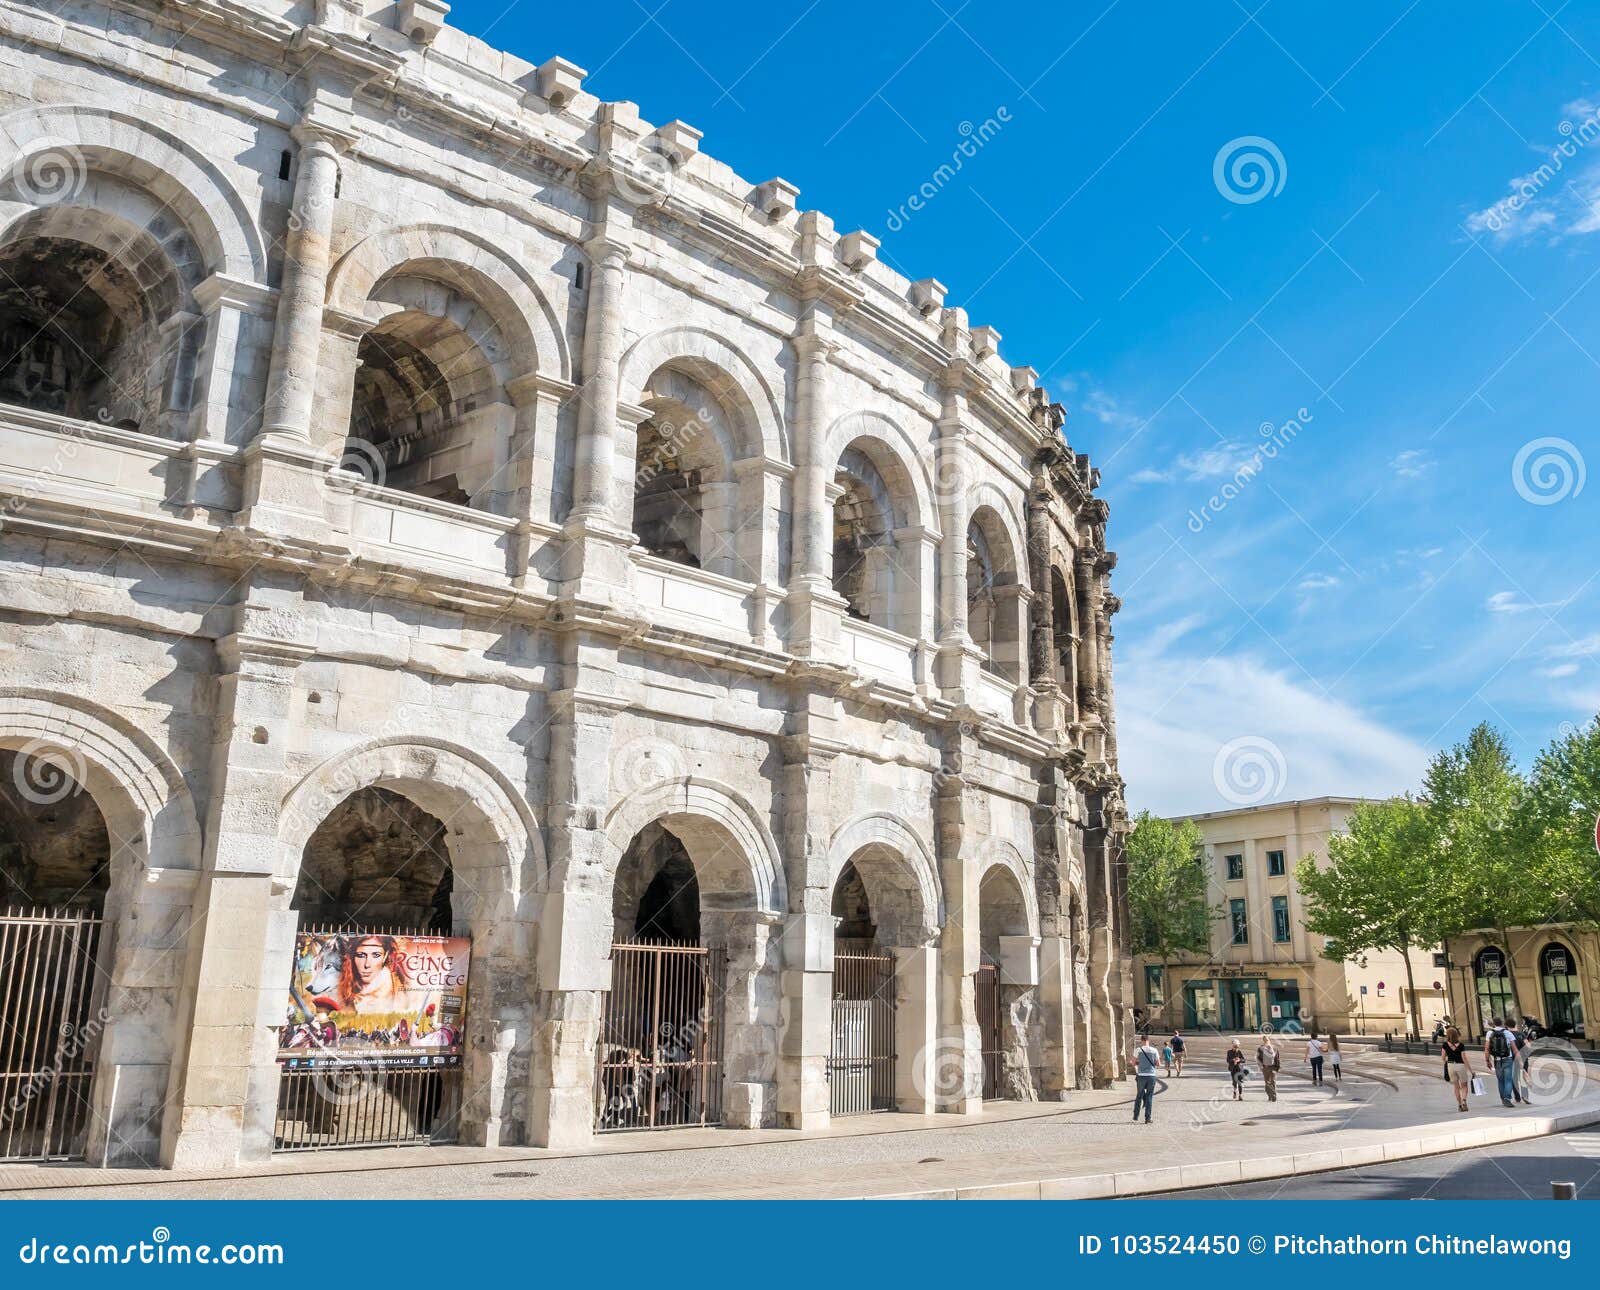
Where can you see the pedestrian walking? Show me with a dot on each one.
(1144, 1062)
(1268, 1059)
(1166, 1058)
(1314, 1056)
(1500, 1055)
(1457, 1066)
(1524, 1040)
(1176, 1043)
(1334, 1059)
(1236, 1070)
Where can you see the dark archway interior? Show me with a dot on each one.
(378, 861)
(1061, 628)
(54, 846)
(79, 335)
(666, 496)
(656, 899)
(852, 910)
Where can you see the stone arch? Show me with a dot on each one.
(83, 139)
(467, 263)
(725, 370)
(907, 864)
(999, 854)
(722, 832)
(504, 856)
(995, 590)
(895, 453)
(138, 789)
(1003, 520)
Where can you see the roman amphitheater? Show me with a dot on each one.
(439, 504)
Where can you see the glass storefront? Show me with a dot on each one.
(1201, 1010)
(1494, 986)
(1283, 1005)
(1226, 1004)
(1563, 996)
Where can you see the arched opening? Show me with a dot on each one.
(55, 869)
(1494, 986)
(994, 595)
(656, 898)
(1061, 634)
(1008, 1010)
(428, 410)
(1087, 702)
(1562, 989)
(686, 501)
(375, 1037)
(96, 321)
(875, 569)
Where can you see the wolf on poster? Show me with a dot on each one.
(394, 1001)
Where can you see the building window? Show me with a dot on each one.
(1563, 998)
(1280, 919)
(1235, 868)
(1241, 922)
(1494, 986)
(1155, 991)
(1275, 864)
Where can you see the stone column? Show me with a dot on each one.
(916, 1027)
(959, 660)
(594, 502)
(807, 983)
(236, 315)
(1049, 705)
(242, 945)
(1088, 655)
(1105, 1033)
(960, 1058)
(308, 254)
(575, 927)
(815, 609)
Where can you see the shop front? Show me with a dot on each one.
(1225, 1001)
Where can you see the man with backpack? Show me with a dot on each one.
(1500, 1052)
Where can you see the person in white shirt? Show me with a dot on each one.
(1145, 1062)
(1314, 1056)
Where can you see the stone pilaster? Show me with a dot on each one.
(815, 609)
(959, 1081)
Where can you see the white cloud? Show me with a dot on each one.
(1105, 408)
(1175, 713)
(1509, 602)
(1318, 582)
(1560, 196)
(1413, 463)
(1224, 459)
(1559, 670)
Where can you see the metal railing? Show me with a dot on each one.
(50, 1029)
(986, 981)
(861, 1052)
(659, 1063)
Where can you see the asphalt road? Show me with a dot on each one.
(1513, 1171)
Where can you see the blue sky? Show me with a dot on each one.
(1383, 582)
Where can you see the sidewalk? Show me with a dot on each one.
(1391, 1107)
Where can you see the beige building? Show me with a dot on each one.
(1264, 967)
(1550, 976)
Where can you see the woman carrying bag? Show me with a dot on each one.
(1457, 1065)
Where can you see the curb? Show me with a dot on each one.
(1148, 1182)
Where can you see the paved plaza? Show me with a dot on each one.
(1391, 1107)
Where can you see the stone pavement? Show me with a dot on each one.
(1391, 1107)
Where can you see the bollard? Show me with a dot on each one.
(1563, 1191)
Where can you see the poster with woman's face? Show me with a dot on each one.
(395, 1000)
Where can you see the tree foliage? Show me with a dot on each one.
(1376, 889)
(1168, 911)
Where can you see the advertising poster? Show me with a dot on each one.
(393, 1001)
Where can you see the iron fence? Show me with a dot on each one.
(861, 1053)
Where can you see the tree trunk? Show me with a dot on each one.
(1411, 985)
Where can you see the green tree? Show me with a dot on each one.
(1376, 890)
(1167, 881)
(1562, 805)
(1491, 878)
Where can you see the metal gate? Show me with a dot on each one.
(50, 1024)
(861, 1053)
(659, 1064)
(328, 1101)
(987, 982)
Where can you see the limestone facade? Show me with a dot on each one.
(385, 418)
